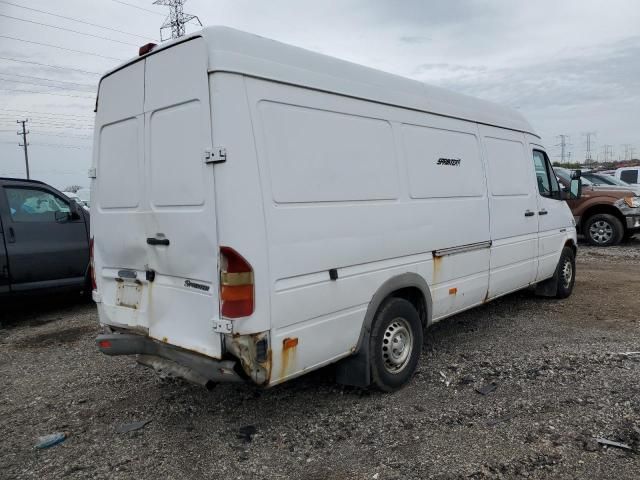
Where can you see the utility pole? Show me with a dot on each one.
(564, 147)
(588, 156)
(24, 144)
(176, 20)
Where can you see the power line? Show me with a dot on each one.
(80, 137)
(88, 85)
(44, 93)
(79, 21)
(46, 123)
(139, 8)
(51, 66)
(61, 48)
(67, 30)
(61, 145)
(46, 113)
(43, 85)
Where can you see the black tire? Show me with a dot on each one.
(603, 230)
(566, 273)
(396, 323)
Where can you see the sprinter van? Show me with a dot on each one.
(260, 211)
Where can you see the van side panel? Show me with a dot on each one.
(336, 195)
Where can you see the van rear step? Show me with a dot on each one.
(170, 360)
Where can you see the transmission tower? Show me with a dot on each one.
(589, 144)
(607, 153)
(176, 20)
(629, 151)
(564, 148)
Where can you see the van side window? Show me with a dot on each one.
(629, 176)
(545, 176)
(34, 205)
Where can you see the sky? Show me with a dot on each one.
(570, 66)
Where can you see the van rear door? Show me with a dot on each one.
(155, 230)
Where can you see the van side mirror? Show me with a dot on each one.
(575, 189)
(576, 175)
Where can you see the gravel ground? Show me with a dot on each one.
(560, 369)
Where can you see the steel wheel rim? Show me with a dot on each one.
(601, 231)
(397, 345)
(567, 272)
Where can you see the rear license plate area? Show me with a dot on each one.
(129, 294)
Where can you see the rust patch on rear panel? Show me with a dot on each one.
(289, 346)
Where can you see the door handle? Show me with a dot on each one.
(542, 212)
(12, 235)
(529, 213)
(158, 241)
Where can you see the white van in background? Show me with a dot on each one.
(260, 211)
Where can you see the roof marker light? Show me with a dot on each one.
(146, 48)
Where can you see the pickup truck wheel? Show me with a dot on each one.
(566, 273)
(396, 344)
(603, 230)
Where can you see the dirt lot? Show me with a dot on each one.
(562, 380)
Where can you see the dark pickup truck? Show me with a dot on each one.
(44, 239)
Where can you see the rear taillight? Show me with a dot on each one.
(92, 270)
(236, 284)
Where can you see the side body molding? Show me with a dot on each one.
(355, 370)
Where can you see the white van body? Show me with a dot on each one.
(631, 175)
(340, 185)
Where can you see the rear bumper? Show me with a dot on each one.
(169, 359)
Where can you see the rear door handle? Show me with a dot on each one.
(542, 212)
(529, 213)
(157, 241)
(12, 235)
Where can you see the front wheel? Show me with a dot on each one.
(396, 344)
(566, 273)
(603, 230)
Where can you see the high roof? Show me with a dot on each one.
(235, 51)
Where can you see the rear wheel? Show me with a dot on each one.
(396, 344)
(603, 230)
(566, 273)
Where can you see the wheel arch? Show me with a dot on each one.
(601, 208)
(410, 286)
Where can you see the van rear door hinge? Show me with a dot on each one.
(215, 155)
(92, 173)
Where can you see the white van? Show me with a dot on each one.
(260, 211)
(631, 175)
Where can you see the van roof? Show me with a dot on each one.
(235, 51)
